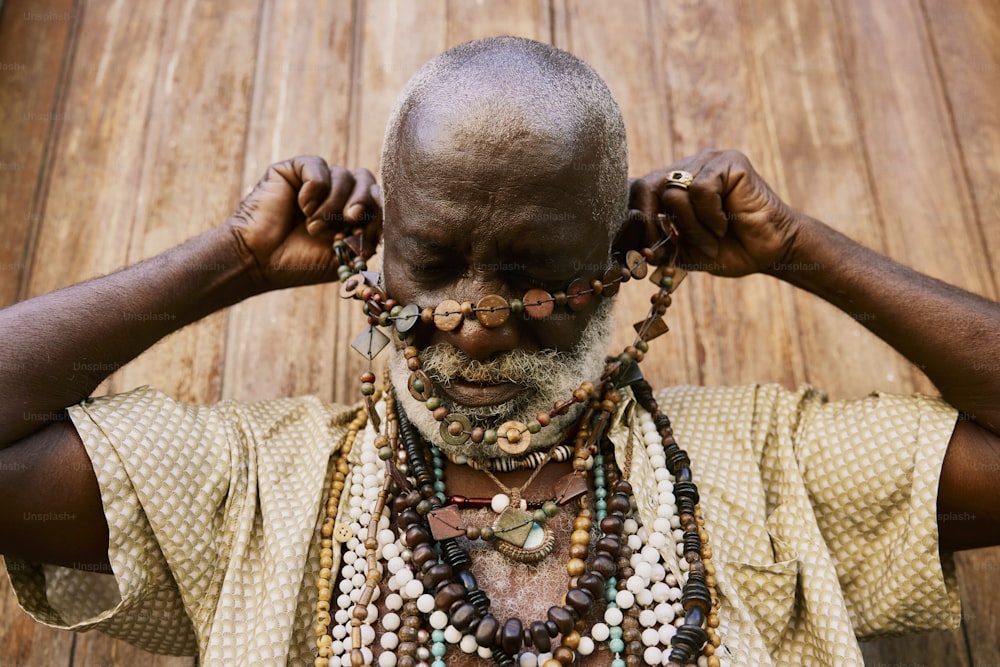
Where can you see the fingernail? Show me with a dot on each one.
(314, 227)
(355, 211)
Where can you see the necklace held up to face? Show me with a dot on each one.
(441, 590)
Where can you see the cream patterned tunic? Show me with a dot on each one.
(822, 518)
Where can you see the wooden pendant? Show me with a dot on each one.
(445, 522)
(570, 487)
(370, 342)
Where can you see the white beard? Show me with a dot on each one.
(547, 377)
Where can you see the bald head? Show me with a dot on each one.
(498, 100)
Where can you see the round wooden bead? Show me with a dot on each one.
(538, 303)
(513, 437)
(448, 315)
(492, 311)
(419, 385)
(611, 280)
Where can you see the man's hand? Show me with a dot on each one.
(286, 225)
(730, 222)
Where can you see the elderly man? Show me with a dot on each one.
(504, 493)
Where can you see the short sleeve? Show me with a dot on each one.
(141, 603)
(871, 468)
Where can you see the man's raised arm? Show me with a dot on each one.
(54, 348)
(729, 218)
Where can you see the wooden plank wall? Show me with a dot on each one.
(129, 126)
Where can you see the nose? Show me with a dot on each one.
(480, 333)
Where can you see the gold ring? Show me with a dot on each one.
(680, 178)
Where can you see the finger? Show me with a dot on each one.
(330, 214)
(706, 201)
(676, 203)
(361, 206)
(642, 198)
(310, 175)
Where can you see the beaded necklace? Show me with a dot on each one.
(437, 582)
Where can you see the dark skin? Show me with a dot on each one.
(728, 215)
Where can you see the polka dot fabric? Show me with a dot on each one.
(821, 516)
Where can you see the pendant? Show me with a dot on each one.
(521, 538)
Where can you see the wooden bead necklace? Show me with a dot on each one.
(444, 588)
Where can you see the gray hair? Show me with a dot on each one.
(540, 89)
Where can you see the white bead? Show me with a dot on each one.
(644, 598)
(542, 657)
(662, 474)
(396, 564)
(625, 599)
(631, 526)
(414, 589)
(389, 551)
(500, 502)
(404, 576)
(367, 635)
(650, 637)
(657, 572)
(387, 659)
(342, 616)
(355, 594)
(600, 632)
(393, 601)
(347, 572)
(386, 537)
(635, 583)
(484, 652)
(468, 644)
(652, 655)
(389, 641)
(391, 621)
(613, 616)
(452, 635)
(338, 631)
(657, 461)
(358, 580)
(438, 620)
(650, 554)
(647, 618)
(678, 609)
(528, 660)
(667, 631)
(634, 543)
(350, 557)
(586, 646)
(345, 586)
(660, 591)
(657, 540)
(664, 612)
(642, 572)
(425, 603)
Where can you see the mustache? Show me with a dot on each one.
(443, 363)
